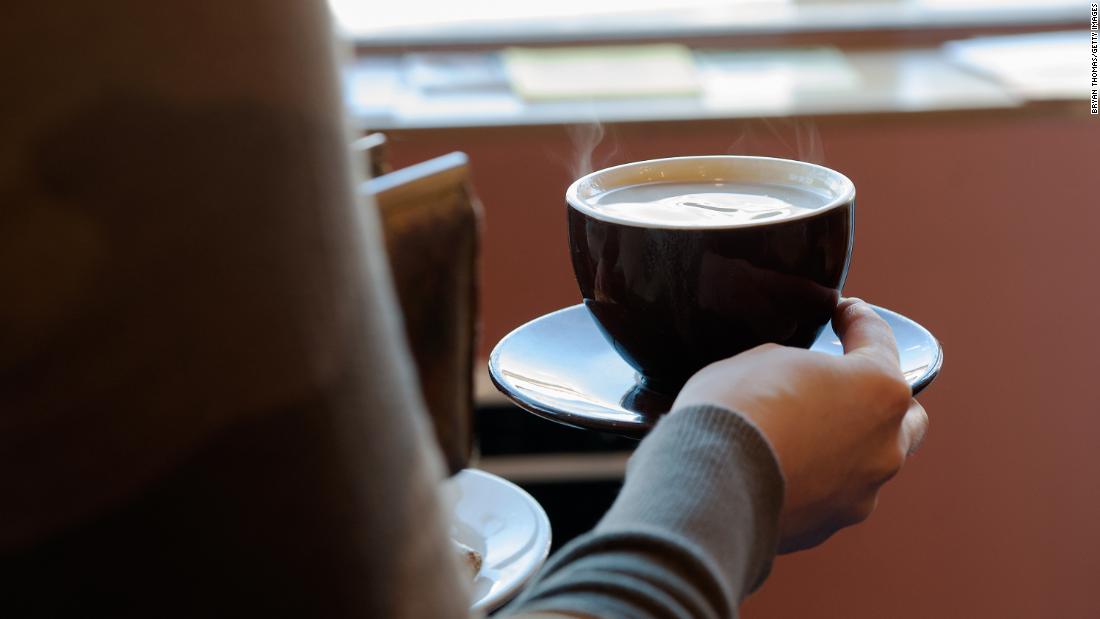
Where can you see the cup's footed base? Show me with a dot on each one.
(659, 385)
(641, 397)
(562, 368)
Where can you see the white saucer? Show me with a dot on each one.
(507, 526)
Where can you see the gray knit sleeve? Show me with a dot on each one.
(691, 534)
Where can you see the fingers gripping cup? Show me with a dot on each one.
(688, 260)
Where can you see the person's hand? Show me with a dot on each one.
(840, 426)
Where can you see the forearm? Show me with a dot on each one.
(691, 534)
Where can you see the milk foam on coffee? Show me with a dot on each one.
(706, 204)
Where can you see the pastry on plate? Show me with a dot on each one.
(471, 559)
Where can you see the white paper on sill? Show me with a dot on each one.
(597, 72)
(1049, 65)
(771, 81)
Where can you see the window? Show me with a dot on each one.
(508, 21)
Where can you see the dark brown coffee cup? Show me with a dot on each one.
(672, 298)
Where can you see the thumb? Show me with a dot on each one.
(864, 333)
(913, 428)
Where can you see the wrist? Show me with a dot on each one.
(729, 479)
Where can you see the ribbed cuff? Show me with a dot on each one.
(728, 487)
(691, 534)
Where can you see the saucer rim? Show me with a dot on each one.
(630, 430)
(637, 430)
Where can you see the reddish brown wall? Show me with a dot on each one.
(985, 229)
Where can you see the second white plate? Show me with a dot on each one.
(507, 526)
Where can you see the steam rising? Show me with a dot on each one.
(586, 140)
(786, 138)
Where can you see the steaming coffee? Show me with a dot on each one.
(689, 260)
(706, 204)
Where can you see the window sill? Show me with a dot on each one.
(882, 82)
